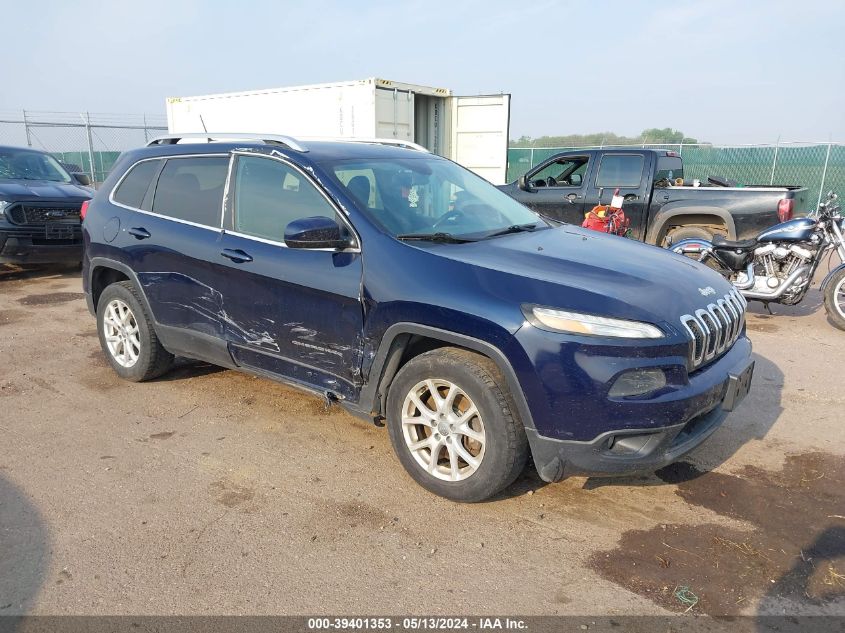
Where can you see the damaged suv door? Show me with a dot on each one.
(304, 294)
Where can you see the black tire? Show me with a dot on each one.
(678, 233)
(834, 299)
(505, 445)
(152, 359)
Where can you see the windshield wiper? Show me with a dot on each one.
(515, 228)
(447, 238)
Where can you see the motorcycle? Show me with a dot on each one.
(778, 265)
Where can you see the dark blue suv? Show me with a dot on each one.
(417, 295)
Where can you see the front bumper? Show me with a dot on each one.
(638, 436)
(24, 248)
(621, 452)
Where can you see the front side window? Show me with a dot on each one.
(270, 194)
(427, 195)
(566, 172)
(22, 164)
(191, 189)
(620, 170)
(134, 185)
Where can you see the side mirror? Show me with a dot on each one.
(523, 184)
(81, 179)
(316, 232)
(575, 180)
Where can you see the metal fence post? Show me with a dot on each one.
(681, 148)
(531, 158)
(26, 129)
(824, 174)
(90, 148)
(774, 162)
(146, 136)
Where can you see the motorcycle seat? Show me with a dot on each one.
(741, 245)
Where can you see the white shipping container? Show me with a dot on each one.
(471, 130)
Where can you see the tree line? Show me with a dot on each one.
(651, 135)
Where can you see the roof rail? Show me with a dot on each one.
(210, 137)
(374, 141)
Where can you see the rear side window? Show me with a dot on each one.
(269, 195)
(669, 168)
(133, 187)
(191, 189)
(620, 170)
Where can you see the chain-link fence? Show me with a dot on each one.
(820, 167)
(83, 142)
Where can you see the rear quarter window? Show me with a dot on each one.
(191, 189)
(134, 186)
(620, 170)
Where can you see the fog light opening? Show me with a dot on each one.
(637, 382)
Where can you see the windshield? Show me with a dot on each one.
(22, 164)
(426, 196)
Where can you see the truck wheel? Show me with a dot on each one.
(453, 425)
(678, 233)
(834, 299)
(127, 335)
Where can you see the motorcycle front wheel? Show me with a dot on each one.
(834, 299)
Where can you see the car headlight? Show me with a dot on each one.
(3, 205)
(589, 324)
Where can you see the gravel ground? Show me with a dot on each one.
(213, 492)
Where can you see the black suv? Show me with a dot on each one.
(40, 206)
(414, 293)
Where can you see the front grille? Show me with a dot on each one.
(37, 214)
(714, 328)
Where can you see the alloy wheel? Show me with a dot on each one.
(443, 430)
(121, 333)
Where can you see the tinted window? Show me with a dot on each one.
(192, 189)
(134, 186)
(669, 168)
(618, 170)
(269, 195)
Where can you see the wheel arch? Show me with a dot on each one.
(403, 341)
(103, 272)
(670, 216)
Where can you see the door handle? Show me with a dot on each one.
(236, 255)
(139, 233)
(572, 197)
(630, 196)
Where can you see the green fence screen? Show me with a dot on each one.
(819, 168)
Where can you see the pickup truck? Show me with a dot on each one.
(40, 205)
(662, 206)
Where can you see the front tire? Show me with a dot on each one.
(127, 335)
(453, 425)
(834, 299)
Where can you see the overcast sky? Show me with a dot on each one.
(722, 71)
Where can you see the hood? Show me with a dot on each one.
(581, 270)
(28, 190)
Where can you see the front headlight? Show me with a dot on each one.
(589, 324)
(3, 205)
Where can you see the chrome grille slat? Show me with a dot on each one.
(714, 329)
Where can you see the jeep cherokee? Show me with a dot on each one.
(413, 293)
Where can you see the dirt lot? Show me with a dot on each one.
(209, 491)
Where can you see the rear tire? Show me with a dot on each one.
(834, 299)
(127, 335)
(476, 455)
(678, 233)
